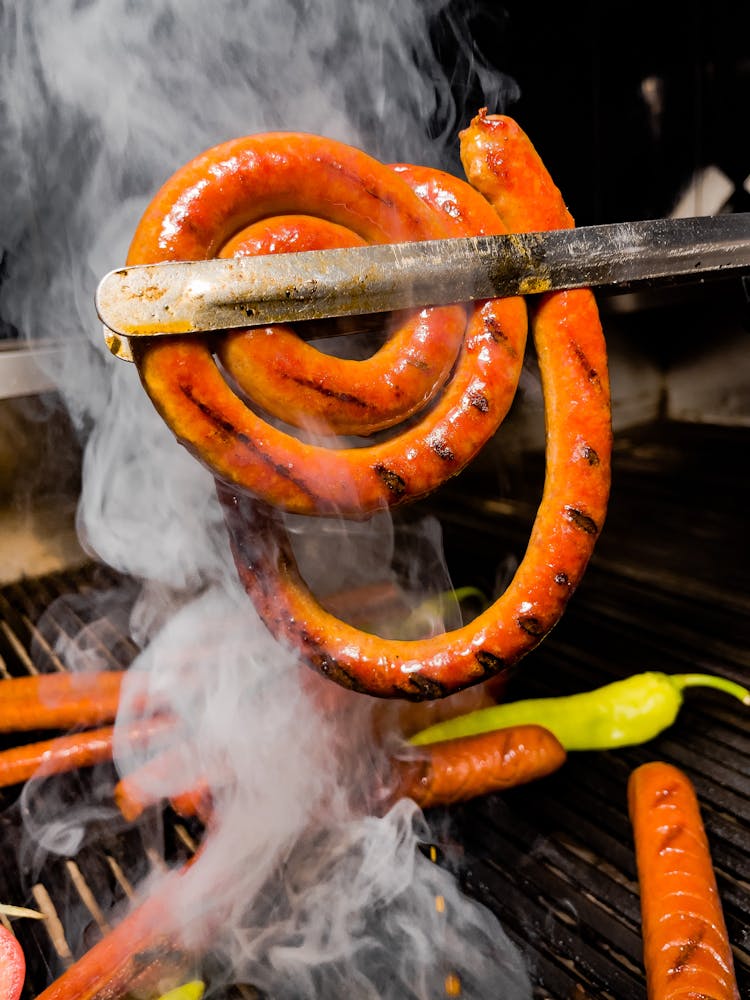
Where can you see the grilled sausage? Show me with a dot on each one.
(462, 769)
(572, 358)
(226, 189)
(74, 750)
(686, 948)
(60, 700)
(251, 459)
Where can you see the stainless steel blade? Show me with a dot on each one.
(179, 297)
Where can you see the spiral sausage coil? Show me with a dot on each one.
(422, 405)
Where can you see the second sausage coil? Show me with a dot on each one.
(441, 385)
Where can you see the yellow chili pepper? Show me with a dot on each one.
(188, 991)
(620, 714)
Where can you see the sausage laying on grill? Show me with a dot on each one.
(455, 385)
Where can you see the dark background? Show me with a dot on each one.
(580, 68)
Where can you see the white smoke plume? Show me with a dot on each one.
(100, 101)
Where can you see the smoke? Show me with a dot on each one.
(317, 890)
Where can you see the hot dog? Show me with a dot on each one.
(73, 751)
(686, 948)
(60, 700)
(462, 769)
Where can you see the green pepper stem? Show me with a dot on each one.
(682, 681)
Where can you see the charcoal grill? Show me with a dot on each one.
(666, 590)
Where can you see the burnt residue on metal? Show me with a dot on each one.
(393, 481)
(581, 520)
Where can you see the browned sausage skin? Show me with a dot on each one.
(258, 461)
(462, 769)
(219, 194)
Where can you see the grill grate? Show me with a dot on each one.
(39, 619)
(667, 590)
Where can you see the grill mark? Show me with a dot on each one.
(395, 483)
(479, 401)
(231, 430)
(531, 625)
(489, 663)
(330, 667)
(442, 450)
(494, 329)
(341, 397)
(326, 664)
(686, 953)
(384, 199)
(591, 373)
(580, 520)
(672, 834)
(426, 687)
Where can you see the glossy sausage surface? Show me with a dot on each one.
(686, 949)
(462, 769)
(200, 211)
(262, 471)
(573, 364)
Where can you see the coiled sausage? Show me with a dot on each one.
(261, 471)
(218, 195)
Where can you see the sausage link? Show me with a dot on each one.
(686, 948)
(294, 382)
(251, 459)
(462, 769)
(573, 365)
(299, 384)
(60, 700)
(74, 750)
(198, 211)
